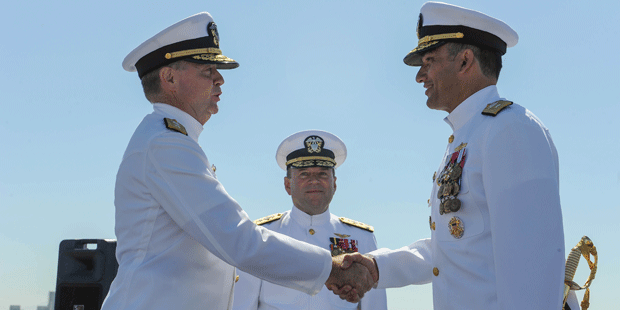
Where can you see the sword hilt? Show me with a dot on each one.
(585, 247)
(572, 262)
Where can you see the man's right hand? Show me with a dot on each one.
(350, 281)
(350, 292)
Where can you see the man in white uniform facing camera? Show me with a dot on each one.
(310, 159)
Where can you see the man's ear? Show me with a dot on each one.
(335, 187)
(467, 59)
(167, 78)
(287, 185)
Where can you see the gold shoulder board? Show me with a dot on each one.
(357, 224)
(172, 124)
(268, 219)
(494, 108)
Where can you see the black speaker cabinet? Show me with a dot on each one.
(86, 268)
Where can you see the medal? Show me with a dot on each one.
(453, 189)
(342, 245)
(447, 189)
(450, 204)
(449, 182)
(456, 172)
(456, 189)
(337, 251)
(457, 229)
(454, 204)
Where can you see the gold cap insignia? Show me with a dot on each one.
(314, 144)
(420, 23)
(212, 29)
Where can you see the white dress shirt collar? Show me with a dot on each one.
(471, 106)
(192, 126)
(304, 219)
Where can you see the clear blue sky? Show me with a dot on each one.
(70, 109)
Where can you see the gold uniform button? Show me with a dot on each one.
(451, 139)
(436, 271)
(236, 279)
(311, 231)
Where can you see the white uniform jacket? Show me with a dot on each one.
(324, 230)
(511, 252)
(180, 234)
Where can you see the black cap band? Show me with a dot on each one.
(157, 58)
(200, 50)
(302, 158)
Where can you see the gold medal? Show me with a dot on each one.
(453, 205)
(455, 188)
(456, 172)
(337, 251)
(445, 177)
(449, 180)
(449, 205)
(447, 189)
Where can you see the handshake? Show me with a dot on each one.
(352, 276)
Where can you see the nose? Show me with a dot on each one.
(421, 76)
(314, 178)
(218, 79)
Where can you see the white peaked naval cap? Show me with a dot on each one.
(194, 39)
(311, 148)
(439, 23)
